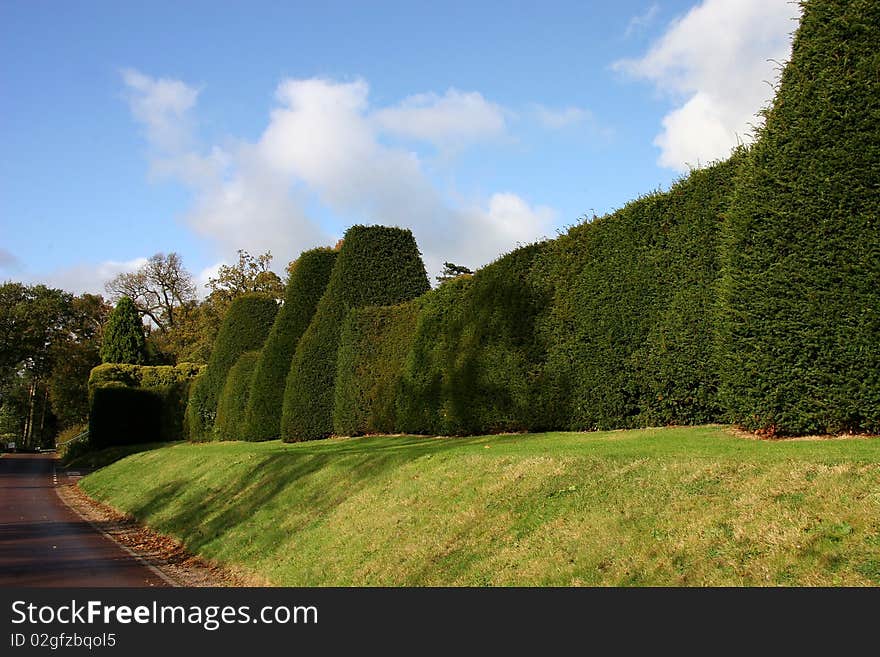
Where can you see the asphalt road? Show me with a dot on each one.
(44, 543)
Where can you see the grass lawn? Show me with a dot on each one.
(673, 506)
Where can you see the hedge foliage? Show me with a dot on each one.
(124, 340)
(376, 266)
(800, 320)
(245, 327)
(305, 286)
(630, 328)
(373, 347)
(476, 361)
(230, 424)
(138, 403)
(148, 376)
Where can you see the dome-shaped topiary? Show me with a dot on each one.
(245, 327)
(800, 321)
(230, 424)
(376, 266)
(307, 282)
(124, 340)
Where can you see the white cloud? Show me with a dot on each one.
(87, 277)
(206, 274)
(240, 200)
(556, 119)
(641, 21)
(503, 222)
(323, 142)
(715, 62)
(448, 121)
(163, 106)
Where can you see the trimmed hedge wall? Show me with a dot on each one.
(630, 328)
(376, 266)
(230, 424)
(476, 361)
(147, 376)
(307, 282)
(245, 327)
(138, 403)
(800, 323)
(373, 347)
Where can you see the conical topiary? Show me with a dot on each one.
(230, 424)
(245, 327)
(376, 266)
(307, 282)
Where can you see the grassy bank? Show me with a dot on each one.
(676, 506)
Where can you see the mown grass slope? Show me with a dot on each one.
(676, 506)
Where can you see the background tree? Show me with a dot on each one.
(74, 357)
(451, 271)
(124, 340)
(32, 319)
(249, 275)
(158, 289)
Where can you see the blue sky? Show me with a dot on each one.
(202, 127)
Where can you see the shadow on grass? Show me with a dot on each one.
(198, 514)
(99, 458)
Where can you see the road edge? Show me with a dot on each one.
(153, 568)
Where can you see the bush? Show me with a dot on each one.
(124, 340)
(168, 384)
(67, 448)
(475, 365)
(419, 405)
(141, 375)
(233, 400)
(245, 327)
(375, 266)
(629, 332)
(373, 347)
(122, 416)
(307, 282)
(800, 322)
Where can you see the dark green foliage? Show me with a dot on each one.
(124, 340)
(372, 350)
(800, 322)
(120, 415)
(141, 375)
(153, 409)
(233, 400)
(475, 365)
(244, 328)
(630, 330)
(376, 266)
(307, 282)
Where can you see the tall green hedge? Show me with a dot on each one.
(376, 266)
(245, 327)
(148, 376)
(476, 361)
(800, 320)
(629, 331)
(124, 340)
(138, 403)
(373, 347)
(230, 424)
(307, 282)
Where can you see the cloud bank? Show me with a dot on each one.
(324, 146)
(715, 61)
